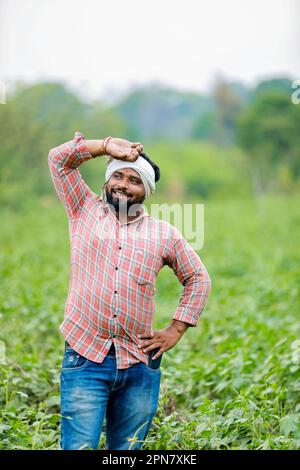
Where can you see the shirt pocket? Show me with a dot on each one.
(144, 285)
(143, 270)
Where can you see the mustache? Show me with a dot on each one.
(120, 191)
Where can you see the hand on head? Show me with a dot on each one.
(122, 149)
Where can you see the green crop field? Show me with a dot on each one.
(233, 382)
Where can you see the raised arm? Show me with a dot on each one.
(65, 159)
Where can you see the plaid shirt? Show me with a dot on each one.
(114, 267)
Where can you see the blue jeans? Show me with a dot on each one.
(89, 391)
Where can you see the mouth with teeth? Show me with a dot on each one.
(120, 194)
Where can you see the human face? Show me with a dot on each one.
(124, 189)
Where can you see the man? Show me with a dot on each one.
(117, 250)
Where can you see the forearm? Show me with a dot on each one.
(94, 147)
(69, 155)
(63, 164)
(193, 298)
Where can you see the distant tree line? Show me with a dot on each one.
(262, 121)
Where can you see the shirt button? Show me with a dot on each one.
(116, 268)
(113, 336)
(115, 315)
(115, 291)
(120, 247)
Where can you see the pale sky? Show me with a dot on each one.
(102, 47)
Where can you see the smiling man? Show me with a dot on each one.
(111, 363)
(124, 189)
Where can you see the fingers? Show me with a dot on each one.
(148, 343)
(150, 347)
(134, 155)
(138, 146)
(152, 341)
(159, 353)
(128, 157)
(135, 144)
(145, 344)
(146, 336)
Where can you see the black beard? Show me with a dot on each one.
(122, 206)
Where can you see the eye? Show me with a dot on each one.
(134, 181)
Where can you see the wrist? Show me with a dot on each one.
(94, 147)
(104, 144)
(179, 326)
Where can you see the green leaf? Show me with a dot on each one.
(289, 424)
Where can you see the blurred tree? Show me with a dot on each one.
(157, 111)
(219, 125)
(204, 127)
(102, 120)
(269, 131)
(228, 107)
(39, 117)
(275, 84)
(34, 119)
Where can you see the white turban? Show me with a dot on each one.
(141, 166)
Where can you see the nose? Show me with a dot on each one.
(122, 187)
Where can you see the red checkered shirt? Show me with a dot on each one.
(113, 267)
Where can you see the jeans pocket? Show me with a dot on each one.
(151, 369)
(73, 361)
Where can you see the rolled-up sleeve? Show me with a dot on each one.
(63, 164)
(193, 276)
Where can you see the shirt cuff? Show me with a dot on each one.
(187, 315)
